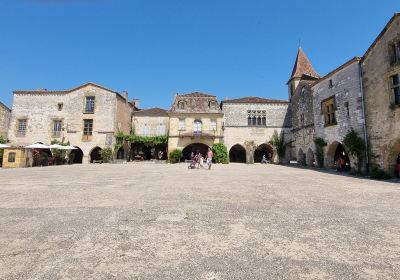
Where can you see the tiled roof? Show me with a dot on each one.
(44, 91)
(302, 66)
(252, 99)
(152, 112)
(195, 102)
(5, 107)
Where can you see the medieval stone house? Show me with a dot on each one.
(5, 115)
(249, 124)
(195, 123)
(87, 116)
(381, 80)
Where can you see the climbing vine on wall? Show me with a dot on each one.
(319, 153)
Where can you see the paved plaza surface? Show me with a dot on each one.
(161, 221)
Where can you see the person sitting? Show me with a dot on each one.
(264, 159)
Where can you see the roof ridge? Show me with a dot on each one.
(302, 66)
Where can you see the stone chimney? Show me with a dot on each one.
(136, 102)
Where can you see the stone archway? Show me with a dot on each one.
(121, 153)
(95, 154)
(390, 158)
(237, 154)
(194, 148)
(76, 156)
(335, 151)
(310, 158)
(301, 157)
(263, 149)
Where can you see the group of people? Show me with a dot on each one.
(197, 160)
(340, 164)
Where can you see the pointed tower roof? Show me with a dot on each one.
(302, 66)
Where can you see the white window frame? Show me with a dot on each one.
(197, 126)
(214, 125)
(146, 129)
(57, 127)
(181, 124)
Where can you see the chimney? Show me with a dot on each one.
(136, 102)
(125, 95)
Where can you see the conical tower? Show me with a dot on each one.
(302, 69)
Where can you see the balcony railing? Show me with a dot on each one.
(199, 134)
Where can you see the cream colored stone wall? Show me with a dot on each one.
(5, 116)
(139, 122)
(123, 115)
(382, 117)
(41, 109)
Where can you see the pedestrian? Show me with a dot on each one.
(201, 160)
(339, 164)
(209, 158)
(160, 155)
(343, 164)
(397, 170)
(66, 159)
(264, 159)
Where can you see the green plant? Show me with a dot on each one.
(355, 146)
(377, 173)
(175, 156)
(59, 155)
(278, 142)
(220, 153)
(106, 154)
(319, 150)
(3, 140)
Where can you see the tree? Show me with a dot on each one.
(319, 150)
(220, 153)
(106, 154)
(175, 156)
(277, 141)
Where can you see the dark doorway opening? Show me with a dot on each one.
(341, 153)
(237, 154)
(95, 155)
(76, 156)
(263, 149)
(194, 148)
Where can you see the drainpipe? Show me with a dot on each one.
(364, 117)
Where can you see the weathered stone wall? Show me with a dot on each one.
(303, 133)
(153, 122)
(40, 109)
(382, 117)
(123, 115)
(5, 116)
(346, 88)
(237, 131)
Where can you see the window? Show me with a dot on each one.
(213, 105)
(11, 157)
(346, 105)
(89, 104)
(146, 129)
(213, 125)
(161, 129)
(330, 84)
(60, 106)
(197, 126)
(181, 105)
(21, 127)
(396, 88)
(181, 124)
(57, 128)
(302, 119)
(256, 118)
(394, 51)
(87, 127)
(329, 111)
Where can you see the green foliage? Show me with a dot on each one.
(377, 173)
(3, 140)
(278, 142)
(175, 156)
(355, 146)
(146, 140)
(59, 155)
(106, 154)
(220, 153)
(319, 153)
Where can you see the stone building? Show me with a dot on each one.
(5, 115)
(87, 116)
(195, 123)
(302, 78)
(381, 80)
(250, 122)
(338, 108)
(150, 122)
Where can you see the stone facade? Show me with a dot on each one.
(303, 123)
(241, 133)
(381, 109)
(194, 119)
(343, 87)
(5, 116)
(150, 122)
(41, 109)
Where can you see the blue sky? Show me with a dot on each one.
(154, 49)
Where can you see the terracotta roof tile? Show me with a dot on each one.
(252, 99)
(196, 102)
(152, 112)
(302, 66)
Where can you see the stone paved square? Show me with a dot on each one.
(154, 221)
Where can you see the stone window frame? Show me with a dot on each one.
(394, 51)
(18, 132)
(213, 124)
(60, 106)
(84, 103)
(212, 105)
(256, 118)
(11, 157)
(393, 87)
(197, 126)
(328, 110)
(87, 137)
(302, 119)
(181, 105)
(53, 121)
(180, 126)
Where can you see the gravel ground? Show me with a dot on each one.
(159, 221)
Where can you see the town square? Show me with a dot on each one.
(199, 140)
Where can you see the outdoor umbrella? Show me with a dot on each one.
(55, 146)
(37, 146)
(67, 148)
(3, 146)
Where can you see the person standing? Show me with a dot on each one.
(397, 170)
(209, 158)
